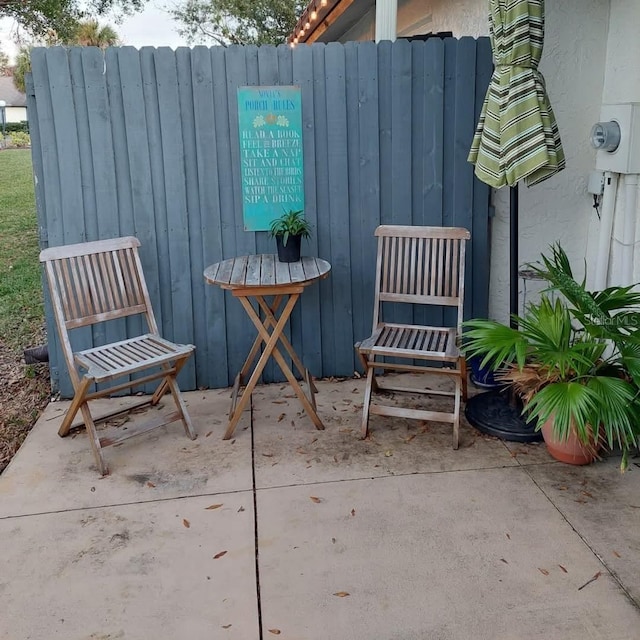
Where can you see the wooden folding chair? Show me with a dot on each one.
(96, 282)
(418, 266)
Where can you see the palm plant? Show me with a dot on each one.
(575, 359)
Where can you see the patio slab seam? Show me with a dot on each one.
(123, 504)
(395, 475)
(584, 541)
(256, 538)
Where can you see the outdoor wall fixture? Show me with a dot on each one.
(605, 136)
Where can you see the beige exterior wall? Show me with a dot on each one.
(621, 85)
(16, 114)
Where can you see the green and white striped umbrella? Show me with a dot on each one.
(517, 135)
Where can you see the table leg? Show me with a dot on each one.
(270, 319)
(271, 342)
(309, 405)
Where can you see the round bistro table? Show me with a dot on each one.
(253, 278)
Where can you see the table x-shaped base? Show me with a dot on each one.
(270, 332)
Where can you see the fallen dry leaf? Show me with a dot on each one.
(563, 569)
(213, 506)
(151, 485)
(314, 440)
(590, 580)
(240, 509)
(616, 554)
(388, 454)
(314, 499)
(408, 439)
(276, 632)
(279, 401)
(281, 417)
(206, 435)
(186, 523)
(586, 493)
(341, 594)
(219, 555)
(268, 455)
(544, 572)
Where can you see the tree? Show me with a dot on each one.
(91, 34)
(87, 33)
(22, 67)
(5, 68)
(42, 17)
(238, 21)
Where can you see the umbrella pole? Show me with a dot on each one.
(498, 412)
(513, 255)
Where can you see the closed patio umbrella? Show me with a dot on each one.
(517, 136)
(516, 139)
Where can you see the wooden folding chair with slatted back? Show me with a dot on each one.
(417, 266)
(95, 282)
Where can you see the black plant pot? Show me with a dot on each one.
(291, 251)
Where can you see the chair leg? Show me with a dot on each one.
(463, 372)
(94, 440)
(366, 403)
(182, 407)
(456, 415)
(76, 403)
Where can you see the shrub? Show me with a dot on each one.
(13, 127)
(19, 139)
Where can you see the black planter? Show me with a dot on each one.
(291, 251)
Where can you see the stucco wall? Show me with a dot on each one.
(462, 17)
(621, 84)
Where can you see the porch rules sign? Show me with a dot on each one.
(270, 127)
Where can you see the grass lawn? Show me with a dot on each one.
(21, 307)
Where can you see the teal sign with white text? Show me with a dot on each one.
(270, 127)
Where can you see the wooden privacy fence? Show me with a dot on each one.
(145, 143)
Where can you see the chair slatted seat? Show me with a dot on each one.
(417, 266)
(96, 282)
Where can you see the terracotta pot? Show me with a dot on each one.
(572, 450)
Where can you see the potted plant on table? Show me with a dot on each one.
(288, 230)
(574, 361)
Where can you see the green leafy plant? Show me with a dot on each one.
(19, 139)
(292, 223)
(575, 358)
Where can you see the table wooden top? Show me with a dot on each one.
(265, 270)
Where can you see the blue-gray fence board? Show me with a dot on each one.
(146, 143)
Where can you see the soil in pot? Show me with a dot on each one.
(572, 450)
(291, 251)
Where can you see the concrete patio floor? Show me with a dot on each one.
(306, 535)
